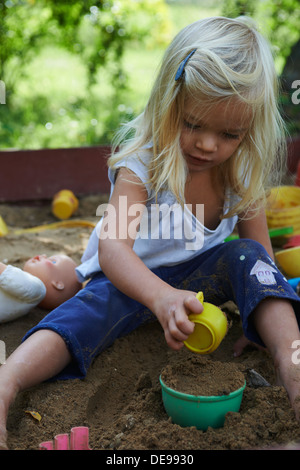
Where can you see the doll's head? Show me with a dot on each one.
(58, 274)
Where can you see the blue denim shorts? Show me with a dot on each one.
(240, 270)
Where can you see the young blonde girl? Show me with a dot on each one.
(241, 68)
(210, 138)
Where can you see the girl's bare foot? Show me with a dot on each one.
(43, 355)
(242, 343)
(7, 397)
(288, 376)
(3, 438)
(277, 325)
(3, 432)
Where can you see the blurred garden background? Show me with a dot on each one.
(74, 70)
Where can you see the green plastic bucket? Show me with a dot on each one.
(200, 411)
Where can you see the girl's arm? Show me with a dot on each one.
(256, 228)
(131, 276)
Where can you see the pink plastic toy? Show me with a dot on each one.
(79, 440)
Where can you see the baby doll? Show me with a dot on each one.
(44, 281)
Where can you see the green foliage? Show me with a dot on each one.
(74, 70)
(279, 20)
(106, 32)
(99, 31)
(282, 20)
(92, 37)
(234, 8)
(20, 37)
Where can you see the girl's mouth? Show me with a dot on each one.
(198, 160)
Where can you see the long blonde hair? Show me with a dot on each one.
(232, 60)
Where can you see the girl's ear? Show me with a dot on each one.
(59, 285)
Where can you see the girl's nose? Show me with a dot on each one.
(206, 142)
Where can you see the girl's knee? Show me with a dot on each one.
(245, 247)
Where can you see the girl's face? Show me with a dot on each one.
(211, 140)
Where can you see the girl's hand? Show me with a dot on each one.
(172, 311)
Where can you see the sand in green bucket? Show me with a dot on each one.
(201, 411)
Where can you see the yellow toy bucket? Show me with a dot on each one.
(283, 208)
(289, 260)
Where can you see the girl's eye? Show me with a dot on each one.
(231, 136)
(189, 125)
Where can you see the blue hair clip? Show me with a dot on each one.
(180, 70)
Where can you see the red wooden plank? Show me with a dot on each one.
(293, 154)
(39, 174)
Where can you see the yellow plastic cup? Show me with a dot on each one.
(64, 204)
(210, 328)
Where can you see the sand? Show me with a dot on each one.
(200, 376)
(120, 399)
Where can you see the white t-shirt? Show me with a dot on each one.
(169, 234)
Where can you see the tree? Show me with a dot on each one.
(97, 30)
